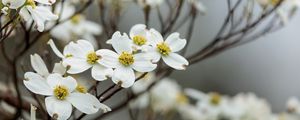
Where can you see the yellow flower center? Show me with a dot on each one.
(81, 88)
(69, 55)
(181, 98)
(92, 58)
(76, 19)
(215, 98)
(139, 40)
(61, 92)
(30, 3)
(163, 48)
(126, 59)
(274, 2)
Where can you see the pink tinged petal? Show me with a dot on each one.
(57, 79)
(175, 43)
(121, 43)
(176, 61)
(138, 29)
(123, 76)
(154, 37)
(39, 65)
(108, 58)
(37, 84)
(76, 65)
(85, 103)
(101, 73)
(54, 48)
(59, 108)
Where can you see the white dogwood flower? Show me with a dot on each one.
(138, 34)
(124, 61)
(78, 27)
(39, 14)
(61, 96)
(166, 49)
(61, 90)
(80, 56)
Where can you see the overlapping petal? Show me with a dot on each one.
(175, 43)
(123, 76)
(37, 84)
(58, 108)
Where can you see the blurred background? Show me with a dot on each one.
(269, 67)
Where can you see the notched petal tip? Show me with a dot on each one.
(184, 67)
(55, 116)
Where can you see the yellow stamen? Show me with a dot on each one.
(61, 92)
(126, 59)
(76, 19)
(30, 3)
(69, 55)
(163, 48)
(181, 98)
(274, 2)
(215, 98)
(81, 88)
(139, 40)
(92, 58)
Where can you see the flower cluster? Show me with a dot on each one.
(36, 10)
(137, 53)
(167, 97)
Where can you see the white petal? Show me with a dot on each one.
(57, 79)
(175, 61)
(153, 55)
(54, 48)
(175, 43)
(85, 103)
(100, 72)
(142, 64)
(85, 45)
(61, 108)
(38, 65)
(108, 58)
(138, 29)
(125, 75)
(37, 84)
(75, 50)
(121, 43)
(59, 68)
(41, 14)
(77, 65)
(25, 14)
(154, 37)
(13, 4)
